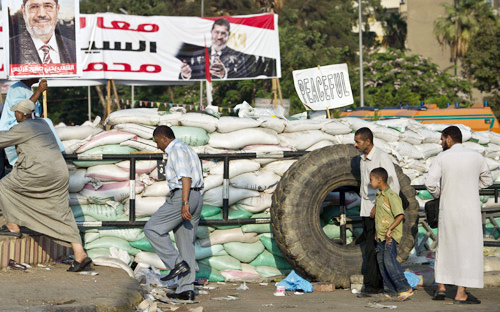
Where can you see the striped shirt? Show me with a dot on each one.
(182, 162)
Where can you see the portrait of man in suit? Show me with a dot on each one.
(224, 62)
(37, 36)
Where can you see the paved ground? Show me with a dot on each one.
(39, 289)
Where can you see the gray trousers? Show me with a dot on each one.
(168, 218)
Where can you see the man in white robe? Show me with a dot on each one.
(456, 176)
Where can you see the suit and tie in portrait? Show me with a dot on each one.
(38, 37)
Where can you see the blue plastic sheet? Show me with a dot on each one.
(294, 282)
(412, 279)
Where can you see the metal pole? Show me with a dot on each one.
(361, 87)
(133, 97)
(201, 82)
(89, 103)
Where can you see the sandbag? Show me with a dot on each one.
(203, 231)
(221, 263)
(429, 149)
(267, 271)
(399, 124)
(257, 204)
(229, 124)
(257, 180)
(386, 134)
(280, 166)
(146, 206)
(98, 252)
(383, 145)
(105, 149)
(106, 138)
(169, 118)
(304, 139)
(145, 132)
(335, 128)
(273, 123)
(410, 137)
(144, 116)
(107, 242)
(128, 234)
(210, 251)
(491, 264)
(192, 136)
(492, 164)
(77, 180)
(428, 136)
(492, 150)
(494, 137)
(209, 210)
(116, 191)
(474, 146)
(480, 137)
(406, 149)
(308, 124)
(244, 252)
(150, 258)
(270, 244)
(268, 259)
(205, 121)
(142, 244)
(107, 173)
(344, 139)
(319, 145)
(141, 166)
(70, 146)
(206, 272)
(142, 145)
(99, 212)
(157, 189)
(354, 123)
(76, 132)
(236, 167)
(256, 228)
(77, 199)
(212, 181)
(240, 138)
(332, 231)
(214, 196)
(225, 236)
(240, 276)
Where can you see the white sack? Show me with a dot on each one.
(386, 134)
(229, 124)
(241, 138)
(273, 123)
(106, 138)
(70, 146)
(145, 132)
(410, 137)
(482, 137)
(76, 132)
(144, 116)
(145, 206)
(236, 167)
(257, 204)
(207, 122)
(492, 150)
(159, 188)
(77, 180)
(218, 237)
(170, 119)
(303, 125)
(214, 196)
(429, 149)
(150, 258)
(336, 127)
(280, 166)
(141, 166)
(345, 138)
(142, 145)
(303, 139)
(212, 181)
(257, 180)
(320, 144)
(477, 147)
(406, 149)
(116, 191)
(107, 173)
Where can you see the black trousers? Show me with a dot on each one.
(371, 274)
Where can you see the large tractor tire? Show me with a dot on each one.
(296, 208)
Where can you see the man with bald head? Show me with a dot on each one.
(39, 39)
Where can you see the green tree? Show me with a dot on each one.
(481, 62)
(458, 26)
(395, 31)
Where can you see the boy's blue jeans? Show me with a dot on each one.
(392, 273)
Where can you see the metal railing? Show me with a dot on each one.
(487, 213)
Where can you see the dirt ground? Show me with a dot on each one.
(260, 298)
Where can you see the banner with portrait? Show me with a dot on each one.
(41, 38)
(166, 48)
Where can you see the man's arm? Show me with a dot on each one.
(186, 188)
(433, 178)
(397, 221)
(42, 86)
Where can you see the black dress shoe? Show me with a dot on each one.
(180, 268)
(80, 266)
(185, 295)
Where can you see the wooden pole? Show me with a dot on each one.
(116, 94)
(45, 104)
(328, 113)
(279, 92)
(108, 99)
(275, 94)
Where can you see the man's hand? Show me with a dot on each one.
(372, 213)
(186, 215)
(186, 70)
(388, 235)
(42, 85)
(217, 68)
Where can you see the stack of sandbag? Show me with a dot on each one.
(99, 190)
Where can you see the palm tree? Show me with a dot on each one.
(459, 25)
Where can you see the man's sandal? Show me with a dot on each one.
(4, 230)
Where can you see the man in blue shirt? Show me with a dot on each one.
(180, 213)
(21, 90)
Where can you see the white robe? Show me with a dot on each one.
(456, 176)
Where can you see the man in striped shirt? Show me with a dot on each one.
(180, 213)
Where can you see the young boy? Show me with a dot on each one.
(388, 216)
